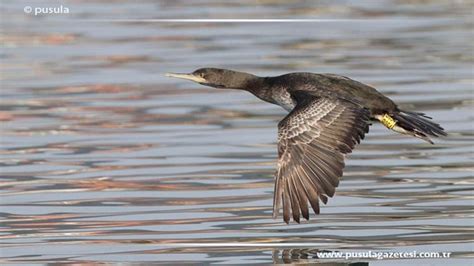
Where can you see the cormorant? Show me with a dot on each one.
(328, 115)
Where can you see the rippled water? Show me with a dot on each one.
(106, 160)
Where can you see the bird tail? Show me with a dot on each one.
(412, 123)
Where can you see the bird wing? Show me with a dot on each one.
(312, 141)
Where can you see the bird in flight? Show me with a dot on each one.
(328, 115)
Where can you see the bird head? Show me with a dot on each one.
(217, 78)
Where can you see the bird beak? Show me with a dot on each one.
(186, 76)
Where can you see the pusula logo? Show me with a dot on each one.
(47, 10)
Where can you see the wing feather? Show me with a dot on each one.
(312, 141)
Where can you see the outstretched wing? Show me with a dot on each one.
(312, 141)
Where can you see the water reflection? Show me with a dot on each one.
(105, 160)
(307, 257)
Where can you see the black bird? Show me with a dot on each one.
(328, 115)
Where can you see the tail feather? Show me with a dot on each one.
(418, 124)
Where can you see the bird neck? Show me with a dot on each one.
(258, 87)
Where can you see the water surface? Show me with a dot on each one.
(104, 159)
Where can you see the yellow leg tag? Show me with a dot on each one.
(388, 121)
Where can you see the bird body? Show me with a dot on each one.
(328, 86)
(328, 115)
